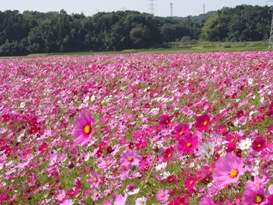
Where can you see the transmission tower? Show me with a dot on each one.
(171, 8)
(204, 8)
(152, 6)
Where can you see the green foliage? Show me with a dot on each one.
(51, 32)
(243, 23)
(36, 32)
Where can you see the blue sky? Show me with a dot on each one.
(90, 7)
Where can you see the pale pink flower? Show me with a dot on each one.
(162, 195)
(228, 169)
(120, 200)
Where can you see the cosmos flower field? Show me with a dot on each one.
(170, 129)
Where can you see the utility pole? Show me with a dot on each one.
(271, 32)
(171, 9)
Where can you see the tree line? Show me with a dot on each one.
(37, 32)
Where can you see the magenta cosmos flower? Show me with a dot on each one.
(255, 193)
(259, 144)
(188, 144)
(180, 130)
(84, 128)
(228, 169)
(167, 154)
(165, 120)
(202, 122)
(179, 200)
(190, 183)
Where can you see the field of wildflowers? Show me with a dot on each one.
(170, 129)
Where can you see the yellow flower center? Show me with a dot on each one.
(259, 145)
(130, 158)
(87, 129)
(258, 199)
(189, 144)
(233, 173)
(205, 123)
(95, 179)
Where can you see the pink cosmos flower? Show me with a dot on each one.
(205, 173)
(67, 202)
(232, 140)
(162, 195)
(270, 200)
(60, 195)
(106, 203)
(202, 122)
(43, 147)
(84, 128)
(206, 201)
(140, 139)
(180, 130)
(3, 197)
(228, 169)
(236, 201)
(255, 193)
(145, 163)
(129, 159)
(230, 147)
(120, 200)
(132, 189)
(188, 144)
(95, 180)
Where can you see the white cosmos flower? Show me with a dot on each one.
(93, 98)
(161, 166)
(141, 201)
(132, 191)
(165, 175)
(250, 81)
(270, 189)
(206, 150)
(245, 144)
(22, 105)
(85, 100)
(154, 111)
(256, 168)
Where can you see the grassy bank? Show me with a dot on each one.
(204, 46)
(189, 46)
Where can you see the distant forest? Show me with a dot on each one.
(36, 32)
